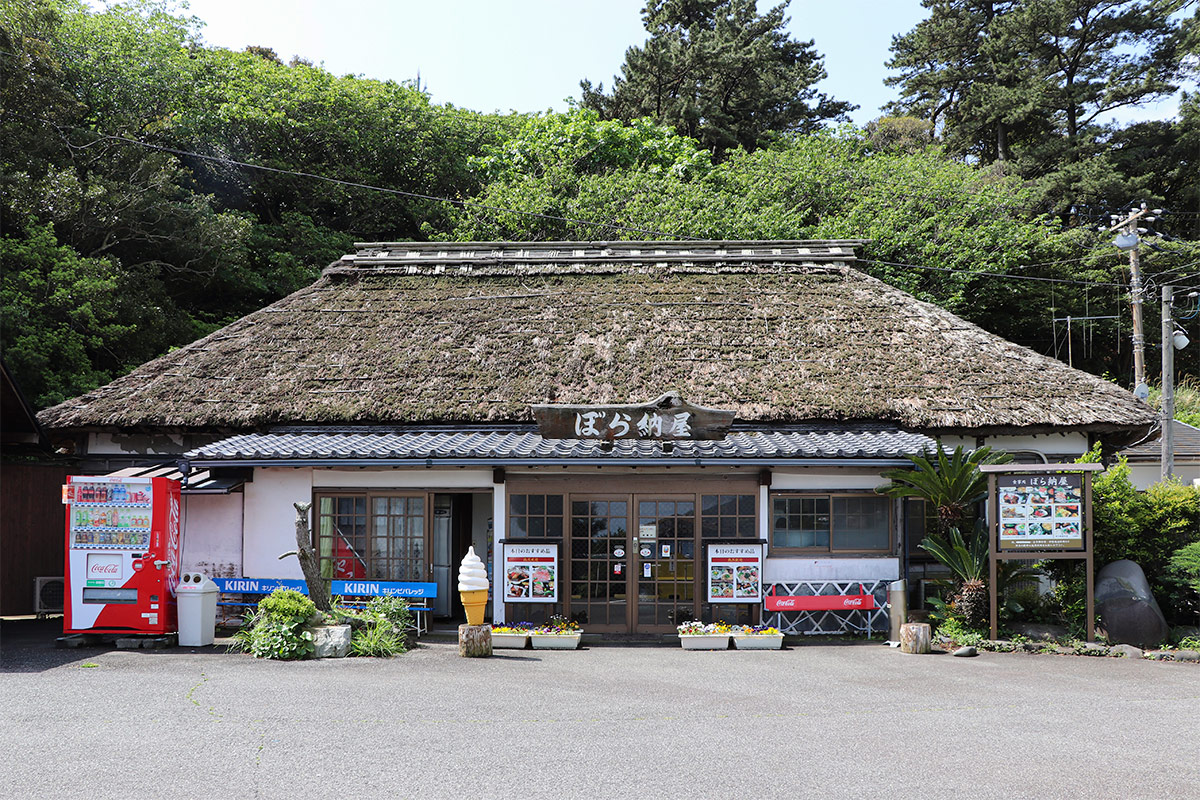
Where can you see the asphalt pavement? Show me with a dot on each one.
(817, 720)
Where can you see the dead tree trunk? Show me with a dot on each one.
(318, 592)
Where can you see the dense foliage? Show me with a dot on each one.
(1150, 528)
(153, 188)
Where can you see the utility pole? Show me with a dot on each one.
(1168, 384)
(1128, 240)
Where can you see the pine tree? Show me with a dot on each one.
(720, 72)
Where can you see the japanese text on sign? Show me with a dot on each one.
(592, 424)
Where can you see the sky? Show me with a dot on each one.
(529, 55)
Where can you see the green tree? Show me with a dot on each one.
(721, 73)
(1004, 79)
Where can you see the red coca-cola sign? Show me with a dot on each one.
(109, 570)
(820, 602)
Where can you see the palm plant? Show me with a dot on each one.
(952, 485)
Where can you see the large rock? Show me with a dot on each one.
(1127, 607)
(331, 641)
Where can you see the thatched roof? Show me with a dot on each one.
(783, 332)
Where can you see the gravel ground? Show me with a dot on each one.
(817, 720)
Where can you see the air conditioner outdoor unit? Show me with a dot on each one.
(48, 595)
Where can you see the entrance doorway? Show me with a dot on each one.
(632, 559)
(633, 546)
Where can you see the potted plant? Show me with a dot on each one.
(511, 635)
(559, 633)
(757, 637)
(695, 635)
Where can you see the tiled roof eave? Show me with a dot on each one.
(500, 448)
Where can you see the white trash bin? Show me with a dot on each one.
(197, 597)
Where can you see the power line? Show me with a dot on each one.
(993, 274)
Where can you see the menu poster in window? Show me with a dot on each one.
(530, 573)
(1041, 512)
(735, 573)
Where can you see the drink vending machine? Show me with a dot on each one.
(122, 554)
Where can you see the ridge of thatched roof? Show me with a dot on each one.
(782, 332)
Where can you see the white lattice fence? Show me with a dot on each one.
(812, 623)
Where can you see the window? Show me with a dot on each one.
(371, 536)
(728, 516)
(831, 523)
(535, 516)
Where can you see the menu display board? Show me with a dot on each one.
(735, 573)
(1041, 512)
(530, 573)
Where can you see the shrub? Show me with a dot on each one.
(379, 628)
(1144, 527)
(275, 629)
(287, 605)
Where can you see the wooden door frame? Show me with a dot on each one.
(632, 487)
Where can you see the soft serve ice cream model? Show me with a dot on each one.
(473, 587)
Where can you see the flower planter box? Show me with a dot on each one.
(555, 641)
(759, 641)
(705, 641)
(509, 641)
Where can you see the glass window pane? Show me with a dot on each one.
(537, 504)
(537, 527)
(516, 527)
(709, 503)
(554, 504)
(728, 504)
(746, 528)
(554, 527)
(517, 504)
(860, 523)
(746, 503)
(687, 509)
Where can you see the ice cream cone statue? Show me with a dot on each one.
(473, 587)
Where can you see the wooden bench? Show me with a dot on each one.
(352, 592)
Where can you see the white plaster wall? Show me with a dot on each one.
(1143, 476)
(403, 478)
(1073, 444)
(270, 521)
(832, 481)
(787, 570)
(212, 534)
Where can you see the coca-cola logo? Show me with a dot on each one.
(101, 570)
(851, 602)
(785, 602)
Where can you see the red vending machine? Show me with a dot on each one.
(122, 554)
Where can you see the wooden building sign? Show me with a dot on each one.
(667, 418)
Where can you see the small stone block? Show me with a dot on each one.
(1125, 651)
(129, 643)
(75, 640)
(965, 652)
(331, 641)
(1187, 655)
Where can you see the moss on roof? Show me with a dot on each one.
(477, 336)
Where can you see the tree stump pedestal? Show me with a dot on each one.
(916, 637)
(474, 641)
